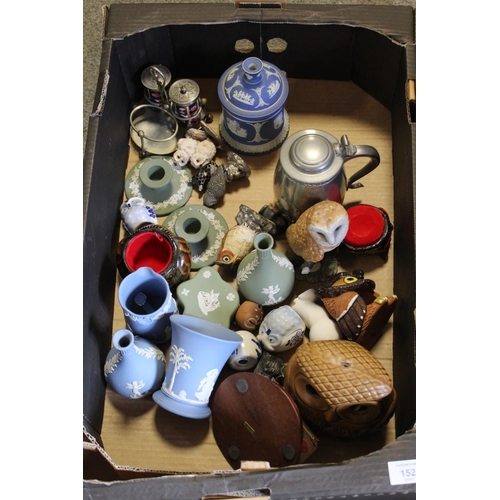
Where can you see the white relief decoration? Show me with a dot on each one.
(175, 199)
(259, 148)
(273, 88)
(150, 352)
(206, 386)
(271, 291)
(180, 360)
(136, 387)
(230, 297)
(282, 261)
(235, 128)
(278, 122)
(207, 274)
(147, 319)
(208, 301)
(261, 101)
(244, 273)
(112, 363)
(258, 137)
(231, 75)
(244, 97)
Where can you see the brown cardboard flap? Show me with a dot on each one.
(256, 494)
(97, 464)
(260, 4)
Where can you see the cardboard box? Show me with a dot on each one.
(351, 71)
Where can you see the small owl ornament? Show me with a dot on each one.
(320, 229)
(359, 311)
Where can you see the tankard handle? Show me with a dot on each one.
(348, 152)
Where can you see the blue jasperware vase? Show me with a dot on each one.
(134, 366)
(147, 304)
(253, 95)
(198, 352)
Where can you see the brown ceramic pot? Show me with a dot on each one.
(156, 247)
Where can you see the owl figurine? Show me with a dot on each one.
(359, 311)
(340, 388)
(320, 229)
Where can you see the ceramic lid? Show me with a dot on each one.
(208, 296)
(309, 156)
(253, 89)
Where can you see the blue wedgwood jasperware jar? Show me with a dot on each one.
(253, 95)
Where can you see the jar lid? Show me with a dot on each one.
(184, 91)
(311, 153)
(309, 156)
(156, 77)
(253, 89)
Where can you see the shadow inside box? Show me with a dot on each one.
(180, 431)
(130, 408)
(335, 450)
(368, 263)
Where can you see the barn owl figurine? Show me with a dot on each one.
(320, 229)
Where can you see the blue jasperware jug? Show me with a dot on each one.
(147, 304)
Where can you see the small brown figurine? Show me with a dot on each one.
(340, 387)
(320, 229)
(249, 315)
(360, 312)
(238, 241)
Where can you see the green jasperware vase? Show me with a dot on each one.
(265, 276)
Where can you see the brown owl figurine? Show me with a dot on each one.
(340, 388)
(360, 312)
(320, 229)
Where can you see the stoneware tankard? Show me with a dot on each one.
(311, 169)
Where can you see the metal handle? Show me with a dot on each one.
(162, 81)
(142, 153)
(349, 151)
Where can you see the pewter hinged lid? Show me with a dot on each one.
(183, 92)
(156, 77)
(309, 156)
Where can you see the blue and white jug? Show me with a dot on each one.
(147, 304)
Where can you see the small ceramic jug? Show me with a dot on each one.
(198, 352)
(134, 366)
(135, 214)
(311, 169)
(247, 354)
(281, 330)
(147, 304)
